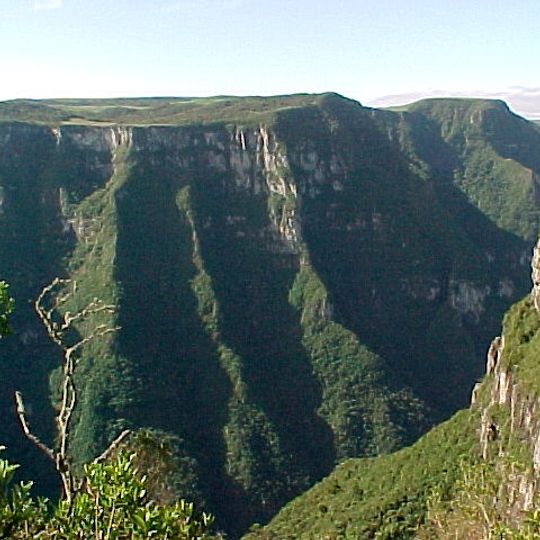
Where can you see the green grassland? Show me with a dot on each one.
(153, 111)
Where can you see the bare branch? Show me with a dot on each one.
(69, 397)
(112, 447)
(21, 414)
(57, 326)
(92, 308)
(100, 331)
(46, 315)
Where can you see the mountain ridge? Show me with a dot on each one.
(321, 276)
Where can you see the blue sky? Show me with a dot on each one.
(365, 49)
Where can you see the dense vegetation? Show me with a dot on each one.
(496, 168)
(285, 270)
(444, 486)
(113, 503)
(384, 497)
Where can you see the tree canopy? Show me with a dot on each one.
(112, 503)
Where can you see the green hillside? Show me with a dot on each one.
(472, 477)
(152, 111)
(487, 152)
(299, 280)
(384, 497)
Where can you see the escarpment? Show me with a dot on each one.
(474, 476)
(293, 288)
(508, 401)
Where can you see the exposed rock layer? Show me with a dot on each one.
(317, 277)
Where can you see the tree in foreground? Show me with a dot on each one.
(63, 328)
(111, 499)
(112, 503)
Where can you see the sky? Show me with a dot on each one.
(380, 52)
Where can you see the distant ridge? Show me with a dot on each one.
(154, 110)
(524, 101)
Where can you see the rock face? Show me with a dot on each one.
(519, 487)
(309, 277)
(510, 422)
(535, 276)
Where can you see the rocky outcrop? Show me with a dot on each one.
(535, 276)
(510, 421)
(500, 433)
(468, 299)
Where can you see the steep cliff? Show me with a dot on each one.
(293, 288)
(497, 494)
(473, 477)
(508, 401)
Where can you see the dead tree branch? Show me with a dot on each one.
(112, 447)
(21, 413)
(61, 330)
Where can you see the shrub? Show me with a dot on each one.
(112, 504)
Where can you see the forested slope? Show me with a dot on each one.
(298, 280)
(473, 477)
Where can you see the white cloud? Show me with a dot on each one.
(43, 5)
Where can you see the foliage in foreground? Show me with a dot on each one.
(112, 504)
